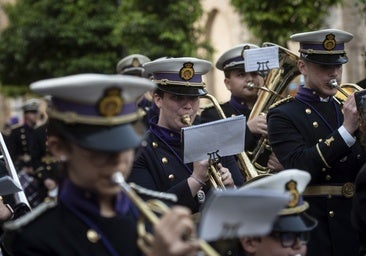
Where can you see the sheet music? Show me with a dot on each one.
(261, 59)
(226, 136)
(8, 186)
(236, 213)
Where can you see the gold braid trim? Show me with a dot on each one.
(294, 210)
(321, 156)
(167, 81)
(72, 117)
(311, 51)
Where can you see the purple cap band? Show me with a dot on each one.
(197, 78)
(320, 47)
(88, 110)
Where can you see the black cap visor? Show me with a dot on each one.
(183, 90)
(295, 223)
(101, 138)
(326, 59)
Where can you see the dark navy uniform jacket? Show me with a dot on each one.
(359, 209)
(74, 227)
(159, 166)
(19, 144)
(303, 133)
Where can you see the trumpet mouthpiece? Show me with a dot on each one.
(250, 85)
(333, 83)
(186, 119)
(118, 178)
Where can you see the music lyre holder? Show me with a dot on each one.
(263, 68)
(214, 174)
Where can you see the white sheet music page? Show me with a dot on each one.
(236, 213)
(224, 136)
(261, 59)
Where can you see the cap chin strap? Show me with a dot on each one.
(295, 210)
(185, 83)
(73, 117)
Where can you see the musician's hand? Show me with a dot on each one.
(5, 212)
(226, 177)
(173, 233)
(49, 183)
(273, 163)
(200, 170)
(351, 115)
(258, 125)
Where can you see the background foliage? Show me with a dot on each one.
(55, 38)
(275, 21)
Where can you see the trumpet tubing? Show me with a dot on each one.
(146, 211)
(344, 89)
(247, 168)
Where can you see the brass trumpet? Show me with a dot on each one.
(344, 89)
(213, 173)
(150, 215)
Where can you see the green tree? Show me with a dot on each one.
(54, 38)
(275, 21)
(159, 28)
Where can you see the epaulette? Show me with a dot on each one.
(277, 103)
(29, 217)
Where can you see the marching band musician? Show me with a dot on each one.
(291, 230)
(20, 139)
(243, 87)
(359, 199)
(159, 163)
(21, 144)
(133, 65)
(312, 132)
(90, 130)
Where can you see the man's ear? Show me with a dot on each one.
(302, 66)
(157, 100)
(250, 244)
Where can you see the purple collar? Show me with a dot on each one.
(308, 95)
(86, 201)
(238, 104)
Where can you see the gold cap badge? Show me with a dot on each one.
(329, 43)
(291, 187)
(136, 62)
(111, 103)
(187, 72)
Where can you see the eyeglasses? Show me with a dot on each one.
(289, 239)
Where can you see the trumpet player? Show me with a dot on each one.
(311, 132)
(159, 163)
(244, 87)
(92, 215)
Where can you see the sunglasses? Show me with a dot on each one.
(289, 239)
